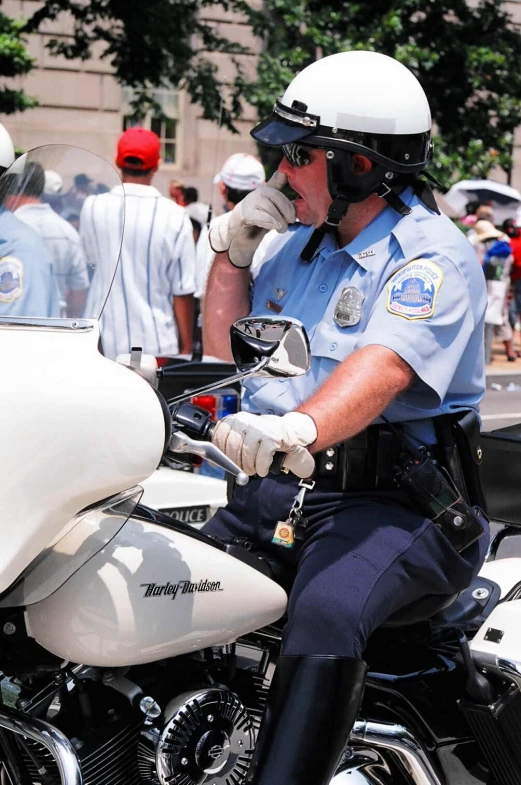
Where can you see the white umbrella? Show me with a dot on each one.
(504, 198)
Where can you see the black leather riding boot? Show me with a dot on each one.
(312, 705)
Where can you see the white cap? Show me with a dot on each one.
(241, 171)
(53, 183)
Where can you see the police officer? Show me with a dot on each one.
(27, 283)
(61, 240)
(393, 299)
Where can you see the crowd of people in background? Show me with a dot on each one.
(162, 244)
(166, 256)
(499, 252)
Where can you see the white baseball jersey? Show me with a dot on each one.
(63, 244)
(157, 262)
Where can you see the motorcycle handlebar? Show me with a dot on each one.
(193, 429)
(197, 425)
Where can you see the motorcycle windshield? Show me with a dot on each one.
(52, 265)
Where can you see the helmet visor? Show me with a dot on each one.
(284, 126)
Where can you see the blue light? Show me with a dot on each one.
(229, 405)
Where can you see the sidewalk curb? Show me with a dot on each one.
(490, 372)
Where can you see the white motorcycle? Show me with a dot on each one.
(135, 649)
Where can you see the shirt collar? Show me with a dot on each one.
(362, 248)
(41, 207)
(135, 189)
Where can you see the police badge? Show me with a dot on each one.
(348, 309)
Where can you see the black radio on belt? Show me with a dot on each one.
(434, 495)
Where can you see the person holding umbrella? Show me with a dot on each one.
(503, 199)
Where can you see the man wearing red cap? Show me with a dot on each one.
(151, 302)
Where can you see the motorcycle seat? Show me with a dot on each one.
(420, 610)
(467, 609)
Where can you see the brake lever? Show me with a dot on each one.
(182, 443)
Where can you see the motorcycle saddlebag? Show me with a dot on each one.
(497, 729)
(500, 474)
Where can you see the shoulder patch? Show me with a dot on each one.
(11, 279)
(412, 290)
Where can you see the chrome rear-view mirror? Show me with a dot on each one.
(263, 346)
(267, 346)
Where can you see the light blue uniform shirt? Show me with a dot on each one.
(27, 283)
(430, 313)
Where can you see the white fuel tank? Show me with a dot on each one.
(153, 592)
(76, 428)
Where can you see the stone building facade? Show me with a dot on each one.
(81, 103)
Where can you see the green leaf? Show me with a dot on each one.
(463, 55)
(15, 60)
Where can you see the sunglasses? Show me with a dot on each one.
(296, 154)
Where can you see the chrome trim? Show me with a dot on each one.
(217, 385)
(363, 764)
(401, 742)
(50, 324)
(510, 669)
(58, 745)
(308, 121)
(497, 539)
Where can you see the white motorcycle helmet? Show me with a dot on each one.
(354, 102)
(6, 149)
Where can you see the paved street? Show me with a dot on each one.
(502, 407)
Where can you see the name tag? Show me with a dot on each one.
(275, 307)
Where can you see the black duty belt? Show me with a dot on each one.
(376, 458)
(365, 462)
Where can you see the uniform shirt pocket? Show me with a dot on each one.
(333, 342)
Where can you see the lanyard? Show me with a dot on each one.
(293, 527)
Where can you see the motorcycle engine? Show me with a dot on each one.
(207, 736)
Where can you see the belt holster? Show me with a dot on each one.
(459, 452)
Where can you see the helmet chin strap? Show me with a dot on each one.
(335, 216)
(347, 188)
(338, 211)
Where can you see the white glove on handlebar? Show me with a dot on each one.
(251, 441)
(262, 210)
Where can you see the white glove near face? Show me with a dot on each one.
(242, 229)
(251, 441)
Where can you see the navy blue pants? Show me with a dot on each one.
(364, 556)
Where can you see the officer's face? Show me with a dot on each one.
(310, 184)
